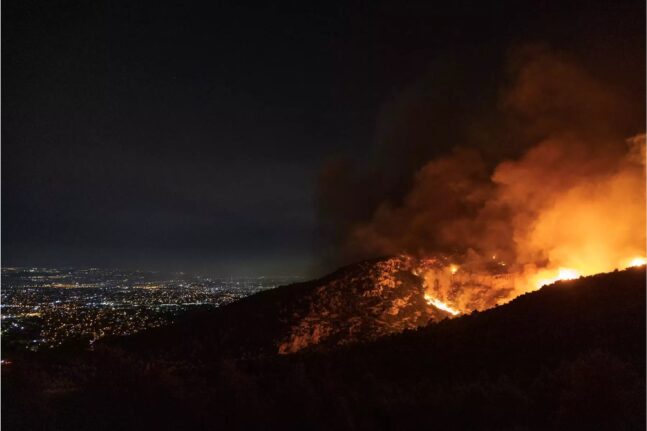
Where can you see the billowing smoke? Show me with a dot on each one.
(573, 200)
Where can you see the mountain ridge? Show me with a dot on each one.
(358, 302)
(569, 356)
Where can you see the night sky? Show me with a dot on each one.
(171, 135)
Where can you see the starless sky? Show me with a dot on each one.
(190, 136)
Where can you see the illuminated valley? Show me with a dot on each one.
(48, 308)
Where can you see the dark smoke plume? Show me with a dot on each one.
(573, 194)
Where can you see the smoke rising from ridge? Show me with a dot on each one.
(575, 198)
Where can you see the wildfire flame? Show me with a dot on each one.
(441, 305)
(463, 292)
(545, 217)
(562, 274)
(571, 204)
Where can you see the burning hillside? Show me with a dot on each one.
(372, 299)
(533, 357)
(570, 203)
(362, 302)
(357, 303)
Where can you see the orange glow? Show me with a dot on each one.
(551, 216)
(441, 305)
(567, 274)
(562, 274)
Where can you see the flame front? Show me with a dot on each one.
(571, 202)
(562, 274)
(460, 292)
(568, 221)
(637, 261)
(441, 305)
(546, 217)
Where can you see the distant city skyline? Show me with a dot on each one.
(49, 307)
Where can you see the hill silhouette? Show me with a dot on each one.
(570, 356)
(359, 302)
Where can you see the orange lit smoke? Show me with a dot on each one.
(572, 205)
(583, 224)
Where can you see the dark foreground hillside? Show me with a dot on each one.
(571, 356)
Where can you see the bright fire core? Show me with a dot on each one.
(459, 291)
(441, 305)
(559, 212)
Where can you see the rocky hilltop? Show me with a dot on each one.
(357, 303)
(364, 302)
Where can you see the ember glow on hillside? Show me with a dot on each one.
(457, 291)
(571, 204)
(596, 223)
(586, 220)
(441, 305)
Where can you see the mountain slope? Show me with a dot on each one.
(570, 356)
(360, 302)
